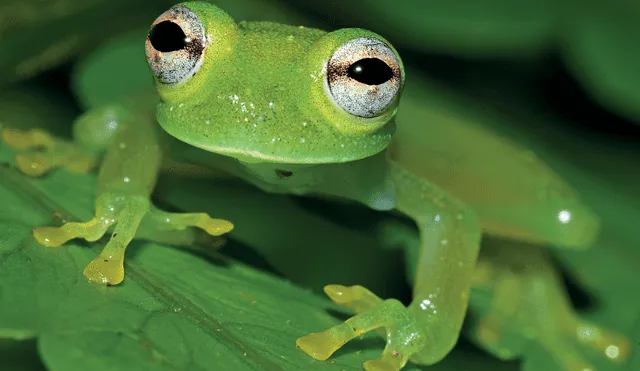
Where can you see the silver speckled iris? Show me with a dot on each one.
(179, 64)
(358, 98)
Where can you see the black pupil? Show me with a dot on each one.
(370, 71)
(167, 37)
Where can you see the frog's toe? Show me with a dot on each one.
(108, 270)
(40, 152)
(178, 228)
(403, 337)
(356, 298)
(25, 139)
(388, 362)
(57, 236)
(33, 164)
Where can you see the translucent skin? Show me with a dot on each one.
(258, 94)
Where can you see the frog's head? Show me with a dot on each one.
(262, 91)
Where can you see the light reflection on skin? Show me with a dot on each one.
(564, 216)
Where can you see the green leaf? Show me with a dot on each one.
(176, 310)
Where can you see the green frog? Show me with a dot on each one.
(301, 111)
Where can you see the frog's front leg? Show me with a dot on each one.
(442, 267)
(528, 304)
(127, 176)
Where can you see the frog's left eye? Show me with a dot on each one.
(175, 45)
(363, 77)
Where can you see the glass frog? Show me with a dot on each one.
(301, 111)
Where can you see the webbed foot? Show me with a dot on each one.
(390, 317)
(39, 152)
(528, 304)
(127, 213)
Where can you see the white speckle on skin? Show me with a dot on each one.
(564, 216)
(208, 122)
(122, 146)
(180, 105)
(612, 351)
(587, 333)
(112, 125)
(126, 179)
(302, 140)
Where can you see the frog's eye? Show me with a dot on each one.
(175, 45)
(363, 77)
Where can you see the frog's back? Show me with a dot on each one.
(513, 191)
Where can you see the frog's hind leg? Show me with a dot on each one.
(528, 304)
(38, 152)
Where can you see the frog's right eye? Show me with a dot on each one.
(364, 77)
(175, 45)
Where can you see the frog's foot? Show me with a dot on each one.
(403, 337)
(39, 152)
(126, 212)
(531, 307)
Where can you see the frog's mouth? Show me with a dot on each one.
(259, 138)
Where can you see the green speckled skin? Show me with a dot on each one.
(257, 109)
(266, 83)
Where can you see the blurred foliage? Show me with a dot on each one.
(491, 55)
(42, 34)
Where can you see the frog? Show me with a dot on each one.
(301, 111)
